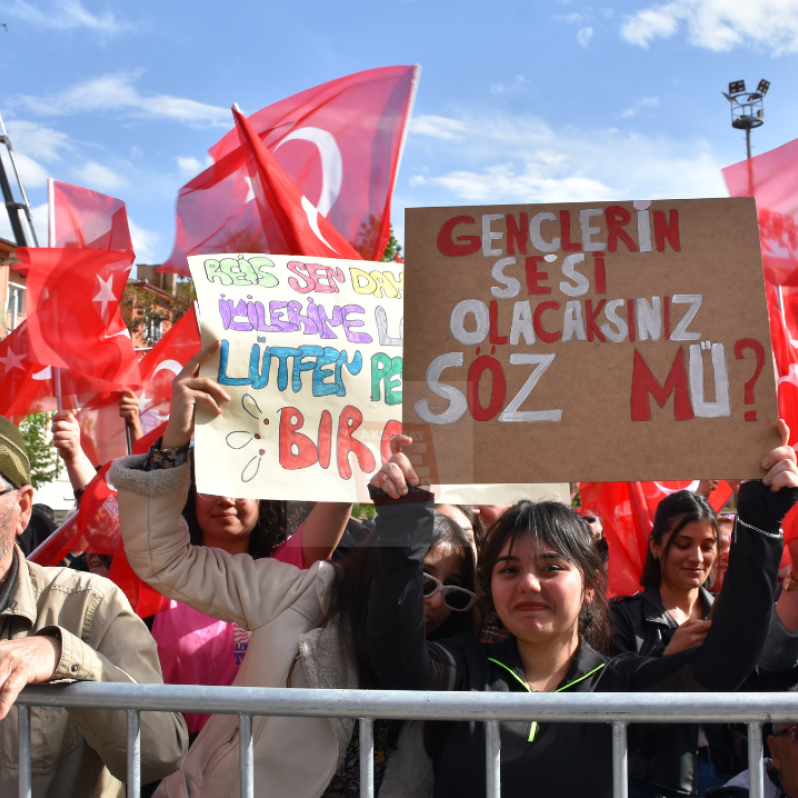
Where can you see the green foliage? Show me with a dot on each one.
(359, 510)
(42, 454)
(146, 314)
(393, 249)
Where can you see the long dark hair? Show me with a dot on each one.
(560, 528)
(276, 521)
(673, 514)
(352, 586)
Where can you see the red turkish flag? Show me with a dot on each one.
(785, 359)
(24, 384)
(74, 320)
(86, 219)
(340, 143)
(27, 386)
(772, 178)
(161, 365)
(292, 225)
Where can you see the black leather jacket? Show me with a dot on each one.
(666, 754)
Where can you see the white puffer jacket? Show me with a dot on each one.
(283, 608)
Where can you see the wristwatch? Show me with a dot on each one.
(789, 582)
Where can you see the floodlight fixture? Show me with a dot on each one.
(747, 110)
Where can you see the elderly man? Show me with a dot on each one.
(58, 625)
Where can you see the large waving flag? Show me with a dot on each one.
(86, 219)
(74, 320)
(291, 223)
(340, 143)
(772, 178)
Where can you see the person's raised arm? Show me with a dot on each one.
(397, 641)
(152, 490)
(322, 530)
(129, 411)
(188, 391)
(66, 439)
(740, 620)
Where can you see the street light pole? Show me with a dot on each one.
(747, 108)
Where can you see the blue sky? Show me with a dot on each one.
(518, 101)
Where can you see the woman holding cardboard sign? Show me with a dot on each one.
(308, 627)
(540, 573)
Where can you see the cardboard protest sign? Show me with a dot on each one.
(311, 355)
(590, 341)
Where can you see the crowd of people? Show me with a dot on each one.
(491, 598)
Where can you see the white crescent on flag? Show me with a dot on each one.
(332, 163)
(167, 365)
(692, 486)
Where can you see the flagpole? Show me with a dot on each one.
(51, 243)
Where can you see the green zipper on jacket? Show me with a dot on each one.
(533, 728)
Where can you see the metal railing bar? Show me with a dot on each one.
(756, 774)
(246, 757)
(366, 742)
(133, 753)
(493, 760)
(416, 705)
(24, 752)
(620, 761)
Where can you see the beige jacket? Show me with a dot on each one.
(283, 608)
(81, 753)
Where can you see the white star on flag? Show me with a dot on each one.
(105, 294)
(12, 361)
(791, 377)
(250, 190)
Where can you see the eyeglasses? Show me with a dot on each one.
(7, 490)
(791, 732)
(455, 598)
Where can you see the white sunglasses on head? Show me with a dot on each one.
(455, 598)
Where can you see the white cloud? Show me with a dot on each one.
(645, 102)
(584, 35)
(116, 92)
(518, 82)
(100, 178)
(190, 166)
(37, 141)
(438, 127)
(41, 222)
(719, 24)
(144, 242)
(522, 159)
(65, 15)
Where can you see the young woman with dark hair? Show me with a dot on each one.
(672, 614)
(540, 573)
(671, 611)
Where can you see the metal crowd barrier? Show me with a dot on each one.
(618, 709)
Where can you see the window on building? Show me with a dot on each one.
(154, 329)
(15, 306)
